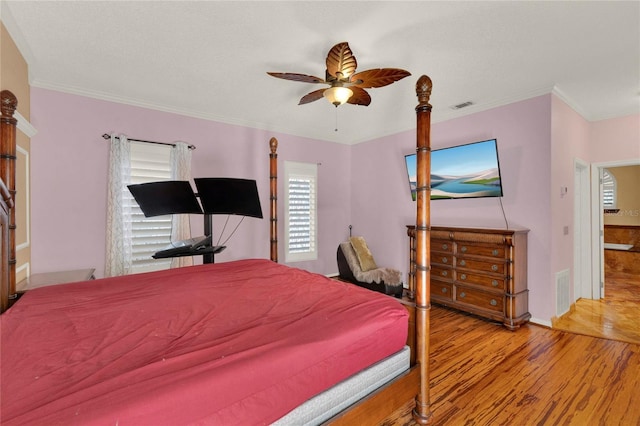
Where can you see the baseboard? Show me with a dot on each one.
(332, 275)
(544, 323)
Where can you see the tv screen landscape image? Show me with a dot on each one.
(463, 171)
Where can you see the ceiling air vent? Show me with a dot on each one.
(462, 105)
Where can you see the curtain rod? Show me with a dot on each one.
(107, 137)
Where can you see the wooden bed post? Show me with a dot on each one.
(422, 411)
(6, 204)
(8, 123)
(273, 199)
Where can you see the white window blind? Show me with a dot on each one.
(608, 190)
(300, 211)
(149, 163)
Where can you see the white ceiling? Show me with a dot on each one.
(209, 59)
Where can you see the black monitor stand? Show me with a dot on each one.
(199, 246)
(217, 196)
(208, 256)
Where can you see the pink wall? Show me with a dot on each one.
(69, 169)
(616, 139)
(382, 206)
(363, 185)
(569, 140)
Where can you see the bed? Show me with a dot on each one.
(243, 342)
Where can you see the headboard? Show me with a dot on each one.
(8, 104)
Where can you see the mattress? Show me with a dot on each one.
(230, 343)
(322, 407)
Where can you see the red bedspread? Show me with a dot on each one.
(240, 342)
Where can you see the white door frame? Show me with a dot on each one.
(597, 223)
(581, 231)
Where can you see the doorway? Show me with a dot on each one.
(597, 224)
(613, 317)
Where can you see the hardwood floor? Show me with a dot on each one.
(483, 374)
(616, 317)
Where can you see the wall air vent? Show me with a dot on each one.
(563, 292)
(462, 105)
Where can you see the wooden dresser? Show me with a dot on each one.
(478, 270)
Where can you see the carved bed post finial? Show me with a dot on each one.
(422, 410)
(423, 90)
(8, 106)
(273, 198)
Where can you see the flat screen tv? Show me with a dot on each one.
(229, 196)
(463, 171)
(165, 197)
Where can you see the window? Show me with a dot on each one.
(300, 211)
(609, 190)
(149, 163)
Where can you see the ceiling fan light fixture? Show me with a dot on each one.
(338, 95)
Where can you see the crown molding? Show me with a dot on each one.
(24, 125)
(102, 96)
(570, 102)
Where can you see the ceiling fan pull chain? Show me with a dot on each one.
(336, 129)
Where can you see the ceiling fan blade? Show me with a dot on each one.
(341, 63)
(378, 77)
(359, 97)
(297, 77)
(313, 96)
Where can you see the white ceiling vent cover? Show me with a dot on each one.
(462, 105)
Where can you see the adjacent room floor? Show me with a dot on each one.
(616, 317)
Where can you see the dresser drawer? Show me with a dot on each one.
(442, 246)
(445, 259)
(483, 280)
(489, 250)
(442, 273)
(480, 299)
(441, 290)
(497, 267)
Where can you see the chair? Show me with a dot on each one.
(356, 265)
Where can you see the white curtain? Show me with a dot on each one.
(180, 225)
(118, 256)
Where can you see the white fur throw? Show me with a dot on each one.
(389, 276)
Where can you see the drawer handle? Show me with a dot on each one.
(493, 302)
(463, 294)
(463, 249)
(463, 276)
(494, 267)
(444, 289)
(495, 252)
(445, 246)
(463, 263)
(444, 273)
(494, 283)
(444, 260)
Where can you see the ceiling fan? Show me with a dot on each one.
(345, 84)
